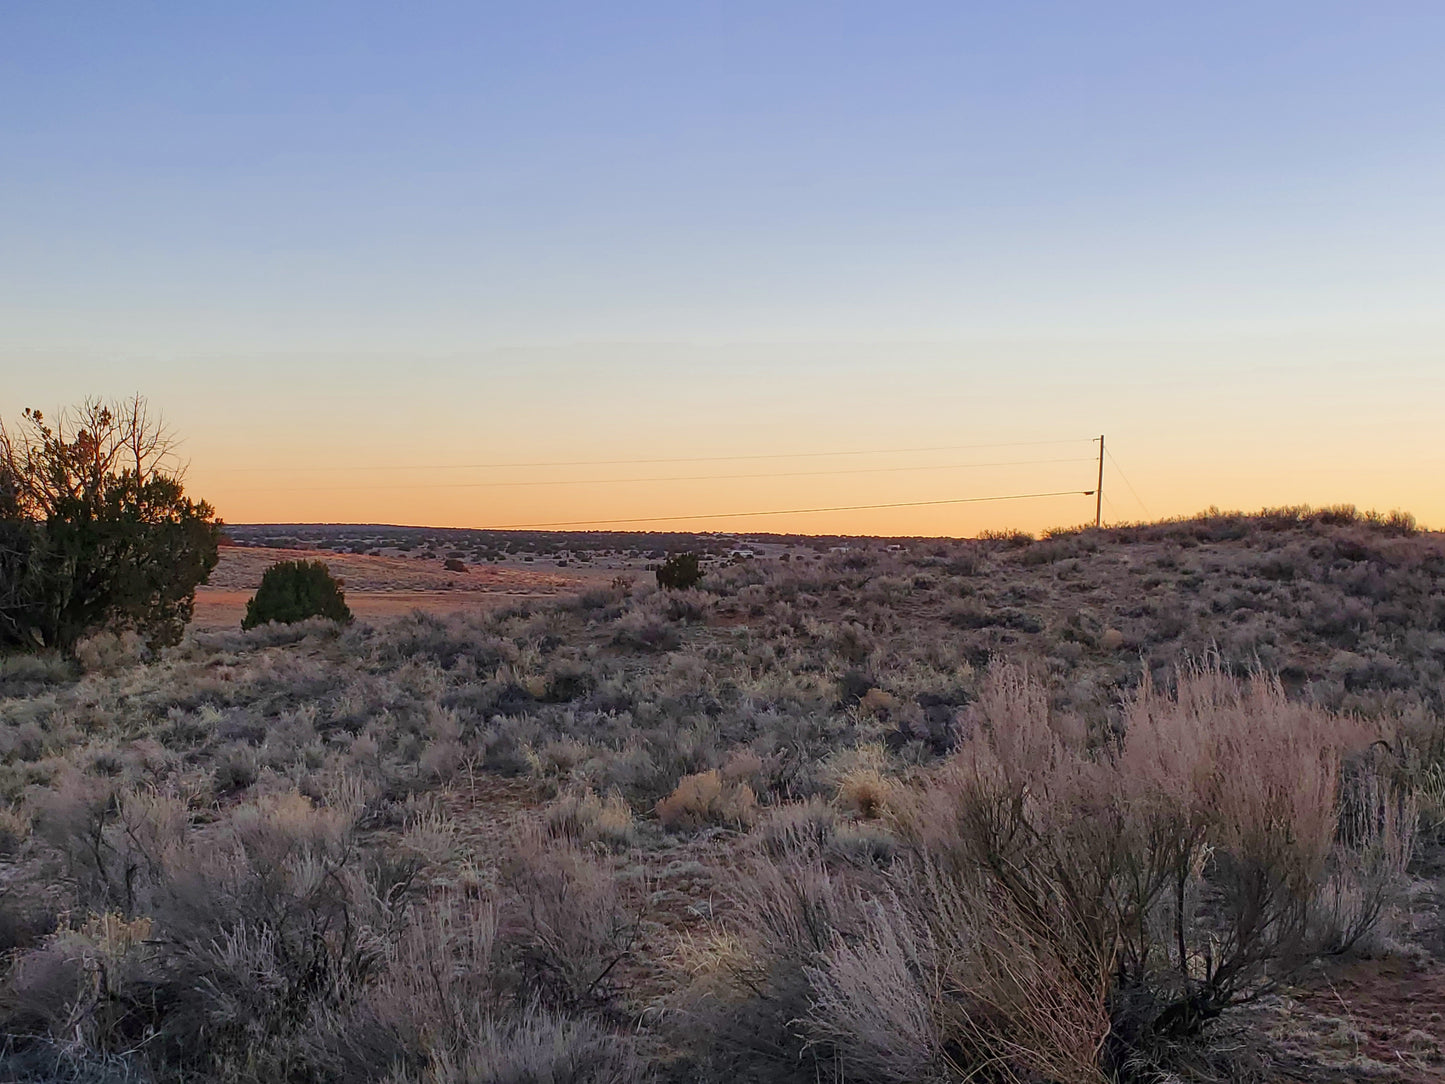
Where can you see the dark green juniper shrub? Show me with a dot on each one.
(292, 591)
(679, 572)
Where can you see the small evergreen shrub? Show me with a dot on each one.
(454, 564)
(292, 591)
(679, 572)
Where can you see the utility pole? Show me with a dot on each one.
(1099, 490)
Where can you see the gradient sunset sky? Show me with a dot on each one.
(373, 261)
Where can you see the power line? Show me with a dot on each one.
(1113, 512)
(681, 459)
(789, 511)
(1125, 477)
(663, 478)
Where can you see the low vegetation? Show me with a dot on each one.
(1096, 806)
(292, 591)
(679, 572)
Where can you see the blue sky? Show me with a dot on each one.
(485, 231)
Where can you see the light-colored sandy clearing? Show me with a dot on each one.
(382, 588)
(224, 609)
(240, 568)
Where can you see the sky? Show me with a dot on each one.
(375, 262)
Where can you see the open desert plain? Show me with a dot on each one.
(380, 587)
(727, 543)
(1161, 799)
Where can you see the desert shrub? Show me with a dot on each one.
(107, 651)
(934, 868)
(742, 1009)
(22, 675)
(645, 631)
(1009, 539)
(971, 617)
(567, 679)
(110, 837)
(537, 1046)
(449, 641)
(1062, 907)
(454, 564)
(275, 949)
(28, 913)
(292, 591)
(686, 605)
(679, 572)
(213, 948)
(235, 770)
(61, 1063)
(1214, 829)
(568, 923)
(708, 798)
(585, 818)
(450, 1005)
(1413, 753)
(14, 830)
(603, 599)
(795, 827)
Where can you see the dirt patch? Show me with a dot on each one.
(241, 568)
(1371, 1020)
(224, 609)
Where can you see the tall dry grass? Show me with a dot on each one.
(271, 945)
(1070, 904)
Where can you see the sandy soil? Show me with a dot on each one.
(381, 588)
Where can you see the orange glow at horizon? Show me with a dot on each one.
(591, 433)
(698, 498)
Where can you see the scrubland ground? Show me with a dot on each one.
(381, 587)
(1153, 803)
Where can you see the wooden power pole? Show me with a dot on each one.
(1099, 490)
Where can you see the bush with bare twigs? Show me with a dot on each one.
(96, 532)
(1067, 904)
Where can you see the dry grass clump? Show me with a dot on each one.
(865, 792)
(807, 826)
(1415, 752)
(746, 993)
(498, 988)
(861, 780)
(707, 798)
(106, 652)
(14, 831)
(245, 927)
(570, 921)
(645, 632)
(585, 818)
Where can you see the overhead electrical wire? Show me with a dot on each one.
(663, 478)
(1113, 512)
(1128, 483)
(786, 511)
(672, 459)
(744, 457)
